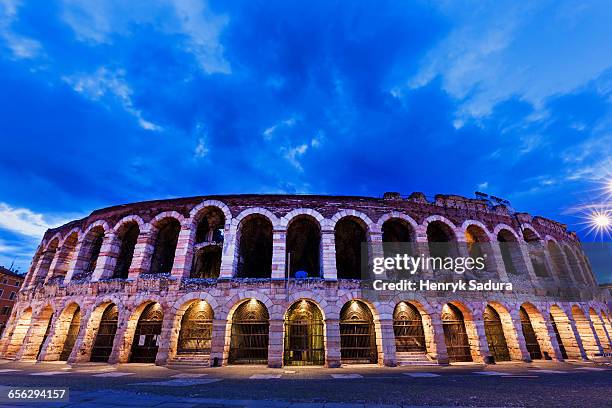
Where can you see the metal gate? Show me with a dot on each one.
(531, 340)
(42, 343)
(250, 328)
(146, 336)
(103, 346)
(71, 336)
(558, 336)
(196, 329)
(408, 329)
(304, 335)
(455, 335)
(357, 334)
(495, 335)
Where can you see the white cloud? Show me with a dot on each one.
(268, 133)
(105, 82)
(22, 47)
(201, 150)
(24, 221)
(292, 155)
(98, 21)
(483, 185)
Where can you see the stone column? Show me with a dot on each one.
(44, 347)
(181, 268)
(217, 346)
(105, 266)
(165, 338)
(275, 343)
(228, 254)
(387, 342)
(332, 343)
(279, 249)
(422, 248)
(328, 255)
(87, 335)
(143, 251)
(77, 261)
(513, 331)
(577, 338)
(122, 345)
(440, 352)
(477, 337)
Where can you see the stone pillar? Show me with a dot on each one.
(422, 248)
(279, 253)
(332, 343)
(438, 351)
(387, 343)
(513, 331)
(275, 344)
(33, 338)
(165, 338)
(328, 255)
(477, 337)
(81, 351)
(217, 346)
(577, 339)
(499, 262)
(122, 345)
(547, 338)
(181, 268)
(375, 250)
(143, 251)
(77, 261)
(228, 254)
(105, 266)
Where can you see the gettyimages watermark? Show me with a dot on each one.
(489, 267)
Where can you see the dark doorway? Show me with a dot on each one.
(71, 336)
(196, 329)
(558, 336)
(249, 336)
(455, 334)
(357, 334)
(304, 246)
(128, 237)
(349, 235)
(494, 331)
(255, 248)
(207, 262)
(408, 329)
(531, 340)
(103, 345)
(304, 335)
(165, 246)
(146, 336)
(47, 330)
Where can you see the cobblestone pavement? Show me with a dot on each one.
(141, 385)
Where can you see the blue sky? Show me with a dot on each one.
(112, 102)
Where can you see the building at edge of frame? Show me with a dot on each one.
(202, 281)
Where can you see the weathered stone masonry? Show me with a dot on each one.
(203, 281)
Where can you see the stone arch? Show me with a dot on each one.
(90, 247)
(364, 220)
(192, 328)
(46, 261)
(126, 234)
(441, 236)
(510, 249)
(164, 235)
(273, 219)
(303, 246)
(478, 241)
(600, 329)
(408, 329)
(248, 332)
(399, 234)
(41, 326)
(66, 254)
(590, 342)
(65, 333)
(195, 211)
(143, 329)
(357, 333)
(397, 215)
(304, 334)
(574, 263)
(564, 333)
(535, 332)
(18, 334)
(129, 219)
(100, 335)
(254, 243)
(558, 259)
(350, 232)
(535, 248)
(208, 224)
(291, 215)
(510, 339)
(460, 333)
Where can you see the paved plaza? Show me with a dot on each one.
(142, 385)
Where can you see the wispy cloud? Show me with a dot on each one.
(24, 221)
(22, 47)
(106, 82)
(292, 154)
(268, 133)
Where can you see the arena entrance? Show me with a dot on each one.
(408, 329)
(304, 335)
(196, 329)
(249, 334)
(455, 334)
(531, 340)
(71, 335)
(558, 336)
(357, 334)
(146, 336)
(103, 345)
(495, 335)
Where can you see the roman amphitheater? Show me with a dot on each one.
(275, 279)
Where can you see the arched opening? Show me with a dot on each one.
(600, 329)
(41, 327)
(574, 265)
(479, 246)
(304, 247)
(558, 261)
(146, 336)
(65, 256)
(440, 240)
(254, 247)
(564, 333)
(128, 236)
(211, 221)
(583, 325)
(398, 239)
(357, 334)
(165, 245)
(103, 344)
(19, 333)
(536, 253)
(249, 334)
(195, 333)
(494, 330)
(349, 235)
(455, 334)
(304, 335)
(510, 252)
(408, 329)
(206, 262)
(71, 334)
(92, 243)
(531, 339)
(46, 260)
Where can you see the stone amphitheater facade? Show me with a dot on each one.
(203, 280)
